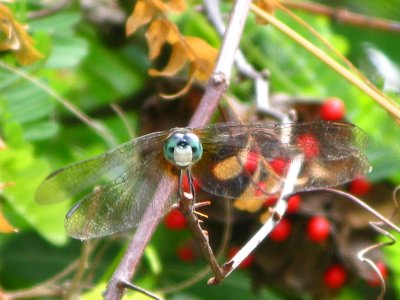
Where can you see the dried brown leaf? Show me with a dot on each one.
(176, 61)
(13, 37)
(181, 92)
(203, 56)
(142, 14)
(157, 35)
(174, 6)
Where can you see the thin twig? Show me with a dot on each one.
(59, 5)
(216, 87)
(136, 288)
(344, 16)
(219, 81)
(278, 212)
(363, 205)
(387, 103)
(328, 45)
(377, 226)
(261, 79)
(74, 289)
(123, 118)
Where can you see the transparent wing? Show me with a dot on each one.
(71, 180)
(331, 154)
(122, 203)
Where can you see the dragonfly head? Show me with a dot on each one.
(183, 148)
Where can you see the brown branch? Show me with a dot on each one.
(215, 88)
(344, 16)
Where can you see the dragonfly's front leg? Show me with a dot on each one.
(186, 205)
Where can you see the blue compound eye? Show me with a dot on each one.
(183, 149)
(170, 145)
(194, 143)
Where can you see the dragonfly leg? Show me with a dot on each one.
(187, 204)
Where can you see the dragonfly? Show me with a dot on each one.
(227, 160)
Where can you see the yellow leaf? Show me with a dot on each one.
(173, 33)
(174, 6)
(156, 36)
(13, 37)
(203, 56)
(176, 61)
(141, 15)
(181, 92)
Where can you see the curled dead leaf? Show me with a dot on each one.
(13, 37)
(142, 14)
(174, 6)
(181, 92)
(203, 56)
(176, 61)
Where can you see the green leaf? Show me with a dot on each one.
(59, 23)
(67, 51)
(27, 260)
(19, 165)
(26, 102)
(41, 131)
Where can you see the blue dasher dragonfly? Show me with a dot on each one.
(216, 157)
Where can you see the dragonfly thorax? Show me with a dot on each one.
(183, 148)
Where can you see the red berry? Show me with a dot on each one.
(247, 262)
(279, 165)
(374, 280)
(293, 204)
(318, 229)
(308, 144)
(251, 162)
(335, 276)
(175, 220)
(186, 253)
(281, 231)
(185, 184)
(360, 186)
(333, 109)
(270, 201)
